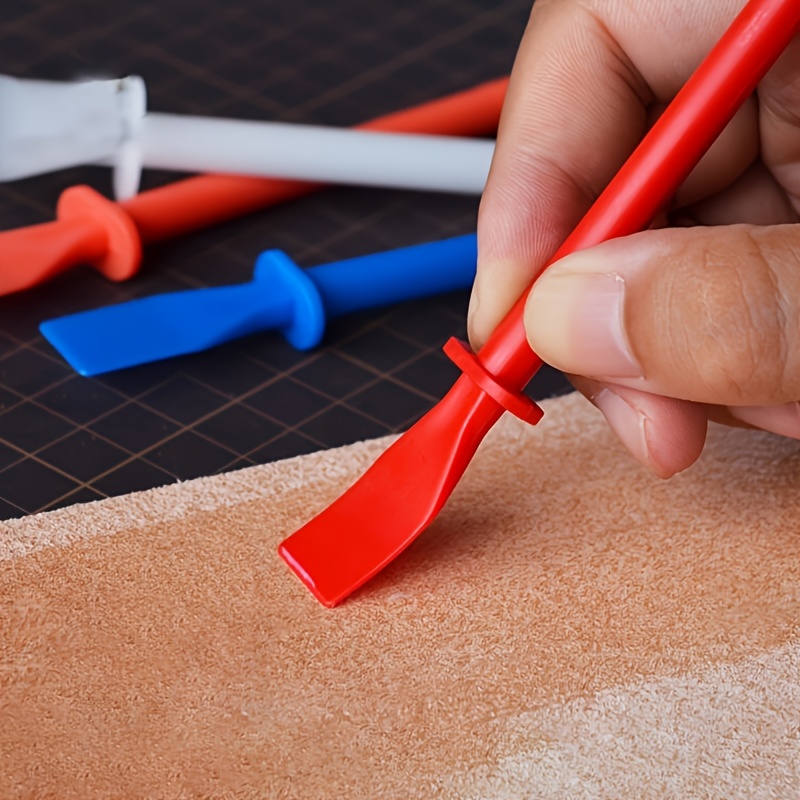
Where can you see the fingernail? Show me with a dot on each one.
(575, 320)
(472, 310)
(628, 423)
(783, 420)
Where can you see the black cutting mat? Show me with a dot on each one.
(67, 439)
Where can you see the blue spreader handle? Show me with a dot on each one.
(397, 275)
(370, 281)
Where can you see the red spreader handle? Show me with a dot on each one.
(402, 492)
(663, 160)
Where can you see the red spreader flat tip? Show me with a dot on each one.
(397, 498)
(333, 555)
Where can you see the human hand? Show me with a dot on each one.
(674, 326)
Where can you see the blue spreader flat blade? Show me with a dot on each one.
(163, 326)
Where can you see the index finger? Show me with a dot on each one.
(577, 105)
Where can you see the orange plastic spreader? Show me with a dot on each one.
(396, 499)
(93, 230)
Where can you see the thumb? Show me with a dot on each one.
(710, 315)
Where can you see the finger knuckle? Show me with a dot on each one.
(749, 316)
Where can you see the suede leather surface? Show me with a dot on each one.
(569, 627)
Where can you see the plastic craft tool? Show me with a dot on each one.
(281, 296)
(90, 229)
(49, 125)
(400, 494)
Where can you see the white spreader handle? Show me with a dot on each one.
(46, 126)
(316, 153)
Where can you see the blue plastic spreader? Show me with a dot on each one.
(281, 296)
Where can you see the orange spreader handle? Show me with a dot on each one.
(93, 230)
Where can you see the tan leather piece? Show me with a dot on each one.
(156, 646)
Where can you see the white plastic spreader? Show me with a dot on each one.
(49, 125)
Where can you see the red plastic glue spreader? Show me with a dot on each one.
(93, 230)
(396, 499)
